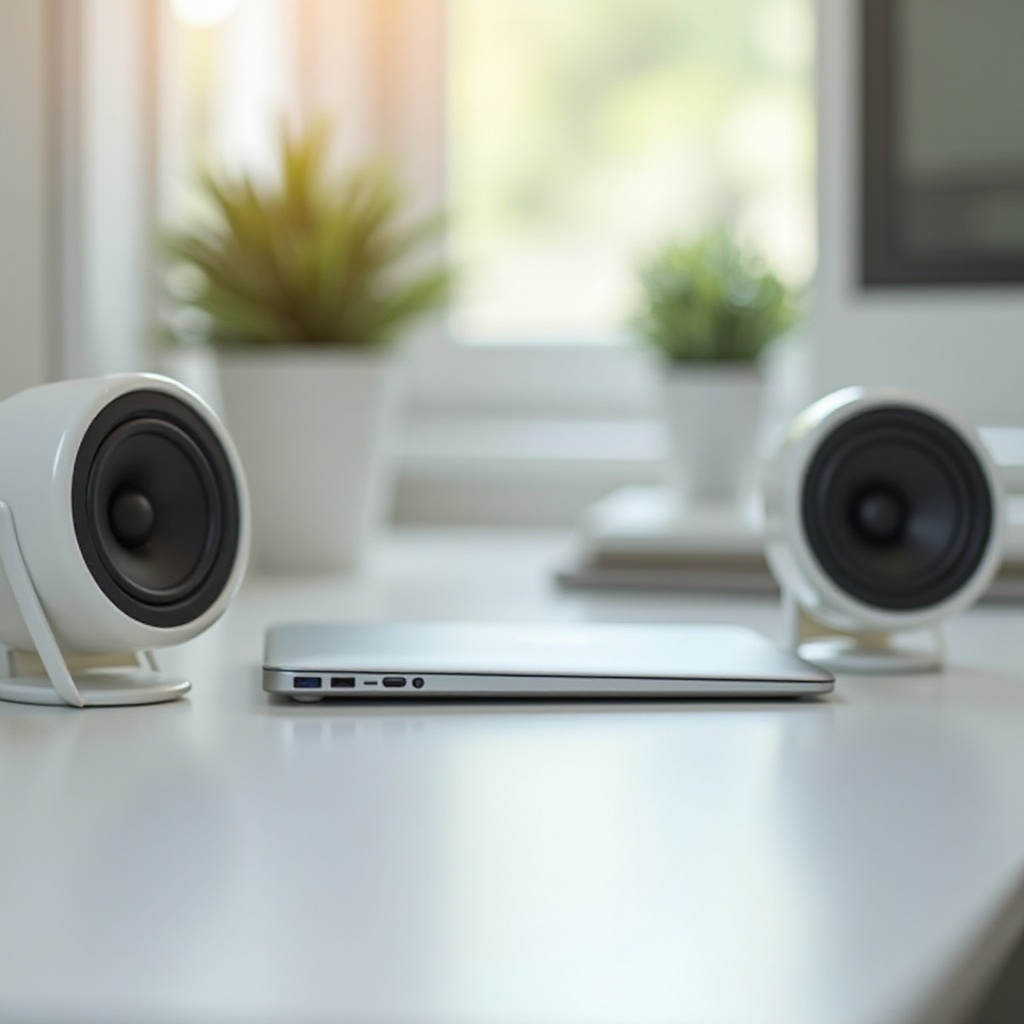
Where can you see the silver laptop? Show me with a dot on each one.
(399, 661)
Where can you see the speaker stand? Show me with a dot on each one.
(128, 678)
(859, 652)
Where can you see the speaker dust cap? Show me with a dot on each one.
(897, 508)
(155, 508)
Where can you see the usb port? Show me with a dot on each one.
(307, 683)
(394, 681)
(343, 682)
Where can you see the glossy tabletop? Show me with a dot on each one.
(232, 857)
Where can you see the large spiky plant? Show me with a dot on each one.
(315, 258)
(712, 300)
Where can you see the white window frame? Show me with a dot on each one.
(102, 173)
(76, 263)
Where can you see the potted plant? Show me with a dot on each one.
(710, 308)
(303, 286)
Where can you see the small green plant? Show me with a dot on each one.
(313, 259)
(711, 301)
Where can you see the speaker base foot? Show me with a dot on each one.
(98, 689)
(863, 652)
(845, 655)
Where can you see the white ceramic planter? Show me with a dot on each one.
(713, 420)
(315, 432)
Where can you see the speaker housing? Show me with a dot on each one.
(883, 515)
(112, 575)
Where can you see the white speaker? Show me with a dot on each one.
(883, 516)
(124, 527)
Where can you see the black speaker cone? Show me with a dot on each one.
(131, 517)
(155, 508)
(897, 508)
(879, 515)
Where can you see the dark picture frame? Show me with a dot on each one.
(886, 257)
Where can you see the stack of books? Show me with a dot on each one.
(640, 538)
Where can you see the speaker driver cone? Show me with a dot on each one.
(897, 509)
(155, 508)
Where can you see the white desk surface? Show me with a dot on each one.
(231, 858)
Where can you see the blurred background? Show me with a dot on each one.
(872, 154)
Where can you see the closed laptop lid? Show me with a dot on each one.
(653, 651)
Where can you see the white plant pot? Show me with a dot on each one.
(713, 421)
(315, 432)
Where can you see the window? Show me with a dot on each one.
(564, 139)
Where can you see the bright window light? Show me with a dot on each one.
(203, 13)
(584, 133)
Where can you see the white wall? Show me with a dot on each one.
(964, 345)
(25, 325)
